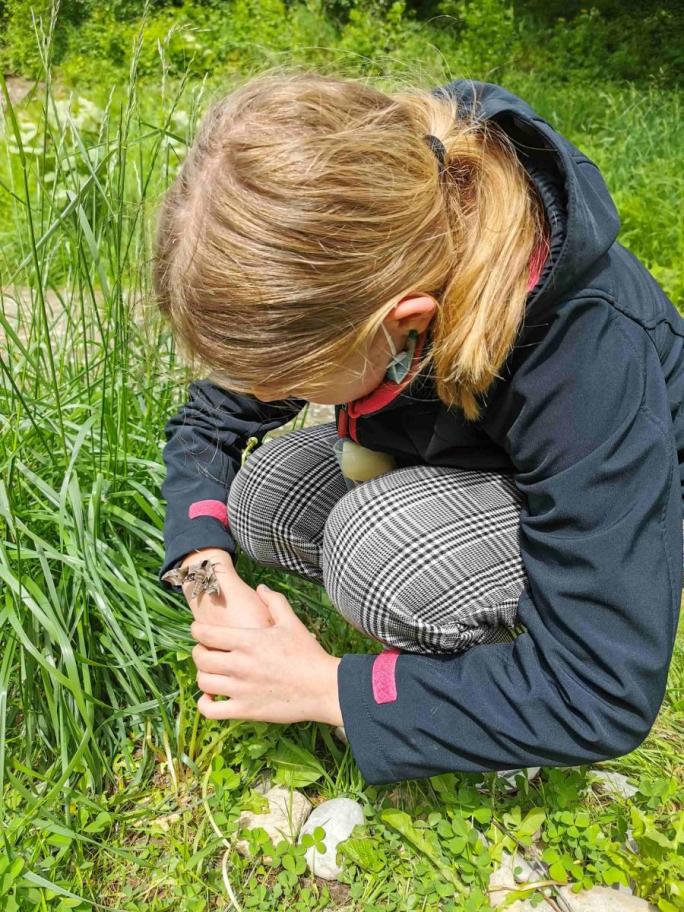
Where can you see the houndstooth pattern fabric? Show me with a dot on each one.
(422, 558)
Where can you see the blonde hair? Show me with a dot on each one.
(309, 203)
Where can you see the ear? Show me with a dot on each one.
(414, 311)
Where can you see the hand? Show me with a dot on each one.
(236, 605)
(277, 674)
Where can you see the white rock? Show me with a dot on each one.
(526, 873)
(338, 817)
(509, 775)
(288, 809)
(341, 734)
(503, 877)
(614, 783)
(601, 899)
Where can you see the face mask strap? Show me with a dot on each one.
(400, 364)
(389, 339)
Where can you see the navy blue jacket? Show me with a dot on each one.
(587, 416)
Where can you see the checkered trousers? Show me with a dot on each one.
(422, 558)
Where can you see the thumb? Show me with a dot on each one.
(277, 604)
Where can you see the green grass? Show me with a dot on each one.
(115, 792)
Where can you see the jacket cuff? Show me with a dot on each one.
(203, 532)
(363, 718)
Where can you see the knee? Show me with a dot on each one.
(404, 586)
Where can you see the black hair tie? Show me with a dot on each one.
(438, 148)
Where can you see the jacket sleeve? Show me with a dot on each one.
(591, 440)
(204, 444)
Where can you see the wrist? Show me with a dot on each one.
(329, 710)
(213, 554)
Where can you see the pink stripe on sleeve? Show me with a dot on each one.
(215, 508)
(383, 675)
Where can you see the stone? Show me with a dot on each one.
(509, 775)
(504, 877)
(288, 809)
(601, 899)
(338, 817)
(523, 872)
(613, 783)
(341, 734)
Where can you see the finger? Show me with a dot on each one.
(216, 661)
(220, 637)
(217, 685)
(220, 709)
(278, 605)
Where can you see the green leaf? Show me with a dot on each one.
(513, 896)
(482, 814)
(456, 845)
(445, 786)
(482, 860)
(550, 855)
(424, 840)
(531, 822)
(557, 872)
(363, 852)
(666, 906)
(294, 765)
(101, 822)
(615, 875)
(444, 829)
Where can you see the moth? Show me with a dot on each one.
(202, 576)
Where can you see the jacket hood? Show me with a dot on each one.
(583, 217)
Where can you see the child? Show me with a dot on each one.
(443, 268)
